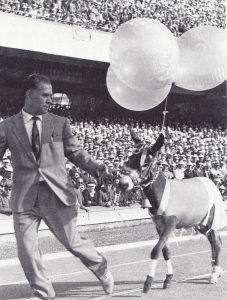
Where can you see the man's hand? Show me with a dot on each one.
(102, 170)
(85, 208)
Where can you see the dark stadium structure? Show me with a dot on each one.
(84, 82)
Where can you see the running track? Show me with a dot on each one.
(129, 264)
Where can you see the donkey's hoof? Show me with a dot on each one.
(147, 284)
(216, 273)
(167, 282)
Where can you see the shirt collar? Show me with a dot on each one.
(27, 117)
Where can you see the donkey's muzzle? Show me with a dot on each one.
(125, 183)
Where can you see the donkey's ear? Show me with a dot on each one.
(158, 144)
(135, 137)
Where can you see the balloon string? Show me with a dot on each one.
(164, 115)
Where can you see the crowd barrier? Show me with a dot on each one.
(98, 217)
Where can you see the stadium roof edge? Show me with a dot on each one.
(41, 36)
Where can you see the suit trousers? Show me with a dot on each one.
(62, 221)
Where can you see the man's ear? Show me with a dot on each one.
(28, 94)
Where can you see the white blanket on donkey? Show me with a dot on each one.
(214, 197)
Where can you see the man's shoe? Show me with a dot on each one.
(107, 282)
(38, 296)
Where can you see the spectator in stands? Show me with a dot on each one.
(79, 188)
(74, 175)
(207, 167)
(127, 198)
(5, 191)
(6, 170)
(188, 173)
(217, 181)
(109, 193)
(91, 197)
(223, 168)
(116, 181)
(215, 171)
(178, 172)
(223, 191)
(138, 194)
(198, 170)
(120, 156)
(166, 171)
(117, 196)
(86, 177)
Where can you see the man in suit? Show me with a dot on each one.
(39, 141)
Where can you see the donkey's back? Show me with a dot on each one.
(191, 200)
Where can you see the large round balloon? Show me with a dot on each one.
(134, 99)
(144, 54)
(202, 63)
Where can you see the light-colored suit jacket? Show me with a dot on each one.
(57, 142)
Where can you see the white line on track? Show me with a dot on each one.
(156, 285)
(65, 254)
(111, 267)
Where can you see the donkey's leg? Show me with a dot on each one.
(215, 241)
(169, 274)
(165, 225)
(205, 231)
(166, 255)
(214, 238)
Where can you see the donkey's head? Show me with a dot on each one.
(141, 166)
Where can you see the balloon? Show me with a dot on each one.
(144, 54)
(133, 99)
(202, 63)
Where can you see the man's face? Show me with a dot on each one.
(76, 175)
(110, 169)
(6, 191)
(198, 164)
(38, 100)
(91, 187)
(108, 186)
(116, 182)
(79, 183)
(6, 164)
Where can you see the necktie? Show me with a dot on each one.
(35, 138)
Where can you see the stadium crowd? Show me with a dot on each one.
(189, 151)
(179, 16)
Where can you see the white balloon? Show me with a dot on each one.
(144, 54)
(203, 58)
(134, 99)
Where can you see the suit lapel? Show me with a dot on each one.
(22, 136)
(47, 128)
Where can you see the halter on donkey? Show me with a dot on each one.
(175, 204)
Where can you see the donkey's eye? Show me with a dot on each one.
(136, 151)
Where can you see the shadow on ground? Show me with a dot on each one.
(69, 290)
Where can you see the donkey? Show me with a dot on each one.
(174, 204)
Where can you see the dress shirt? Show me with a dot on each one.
(28, 123)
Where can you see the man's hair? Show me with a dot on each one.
(32, 81)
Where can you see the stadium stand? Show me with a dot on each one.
(107, 15)
(105, 136)
(108, 140)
